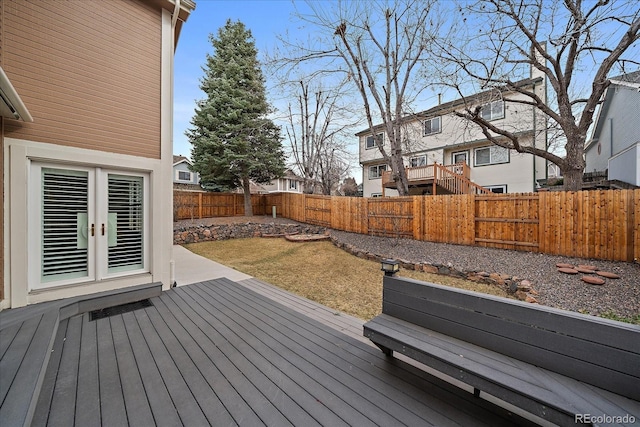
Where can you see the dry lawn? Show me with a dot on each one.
(318, 271)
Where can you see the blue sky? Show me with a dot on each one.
(265, 18)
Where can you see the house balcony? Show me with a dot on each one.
(437, 179)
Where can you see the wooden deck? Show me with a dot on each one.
(219, 353)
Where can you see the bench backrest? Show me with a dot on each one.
(597, 351)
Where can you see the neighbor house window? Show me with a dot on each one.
(376, 171)
(460, 157)
(418, 161)
(293, 185)
(376, 194)
(491, 155)
(184, 176)
(493, 110)
(432, 126)
(371, 142)
(498, 189)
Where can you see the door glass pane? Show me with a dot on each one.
(65, 225)
(125, 223)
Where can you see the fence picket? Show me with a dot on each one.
(602, 224)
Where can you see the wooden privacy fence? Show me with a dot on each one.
(587, 224)
(196, 205)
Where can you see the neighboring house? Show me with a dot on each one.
(87, 145)
(615, 142)
(183, 178)
(289, 183)
(454, 153)
(253, 189)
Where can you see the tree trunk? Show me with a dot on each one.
(572, 179)
(400, 175)
(574, 163)
(246, 186)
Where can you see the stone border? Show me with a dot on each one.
(513, 285)
(206, 233)
(518, 287)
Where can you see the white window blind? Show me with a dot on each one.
(125, 223)
(65, 227)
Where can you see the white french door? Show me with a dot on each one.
(88, 224)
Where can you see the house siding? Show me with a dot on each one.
(458, 134)
(102, 67)
(184, 167)
(620, 128)
(97, 79)
(625, 166)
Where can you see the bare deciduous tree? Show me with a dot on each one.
(379, 46)
(317, 125)
(575, 45)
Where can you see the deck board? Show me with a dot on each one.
(393, 380)
(325, 372)
(342, 322)
(88, 393)
(41, 413)
(169, 367)
(220, 364)
(23, 367)
(137, 404)
(112, 406)
(220, 353)
(64, 394)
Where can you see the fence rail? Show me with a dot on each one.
(602, 224)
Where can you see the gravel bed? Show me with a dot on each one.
(617, 296)
(555, 289)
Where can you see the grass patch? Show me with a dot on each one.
(319, 271)
(634, 320)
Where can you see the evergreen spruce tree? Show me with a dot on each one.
(233, 140)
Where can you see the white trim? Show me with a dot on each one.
(182, 161)
(424, 132)
(19, 155)
(632, 85)
(180, 180)
(366, 139)
(161, 238)
(500, 186)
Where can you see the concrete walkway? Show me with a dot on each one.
(192, 268)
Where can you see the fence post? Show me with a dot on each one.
(418, 215)
(200, 205)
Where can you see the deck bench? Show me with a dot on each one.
(561, 366)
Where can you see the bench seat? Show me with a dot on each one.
(541, 392)
(560, 366)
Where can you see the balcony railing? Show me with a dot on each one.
(454, 178)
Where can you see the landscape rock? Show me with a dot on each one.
(593, 280)
(607, 274)
(567, 270)
(563, 265)
(524, 285)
